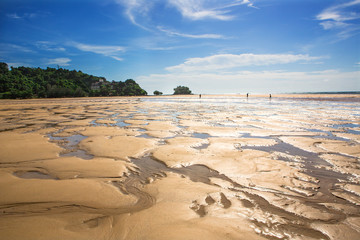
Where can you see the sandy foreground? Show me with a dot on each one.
(219, 167)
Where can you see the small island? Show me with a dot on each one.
(182, 90)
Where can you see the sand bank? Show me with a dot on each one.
(219, 167)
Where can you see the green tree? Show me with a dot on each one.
(131, 88)
(79, 92)
(104, 90)
(156, 92)
(4, 68)
(181, 90)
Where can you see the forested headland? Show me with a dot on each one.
(26, 82)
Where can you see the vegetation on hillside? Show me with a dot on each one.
(25, 82)
(181, 90)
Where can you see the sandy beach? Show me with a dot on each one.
(181, 167)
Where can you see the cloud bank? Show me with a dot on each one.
(228, 73)
(250, 81)
(229, 61)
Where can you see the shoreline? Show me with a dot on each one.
(294, 96)
(281, 96)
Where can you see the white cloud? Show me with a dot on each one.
(59, 61)
(13, 16)
(195, 10)
(340, 12)
(333, 25)
(248, 3)
(117, 58)
(49, 46)
(108, 51)
(185, 35)
(229, 61)
(100, 49)
(139, 11)
(135, 8)
(201, 9)
(25, 15)
(6, 47)
(340, 17)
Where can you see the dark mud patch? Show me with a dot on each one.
(150, 167)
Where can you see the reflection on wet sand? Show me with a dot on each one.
(222, 167)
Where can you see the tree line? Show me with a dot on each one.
(26, 82)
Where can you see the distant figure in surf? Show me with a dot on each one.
(270, 96)
(199, 95)
(247, 95)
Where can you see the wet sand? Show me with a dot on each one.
(180, 167)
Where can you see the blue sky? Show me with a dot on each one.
(211, 46)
